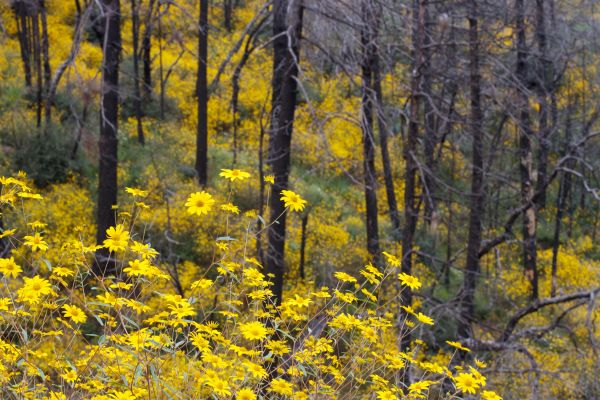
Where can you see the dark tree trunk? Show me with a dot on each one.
(37, 61)
(383, 139)
(21, 17)
(160, 65)
(45, 58)
(430, 136)
(410, 154)
(108, 143)
(227, 14)
(525, 153)
(137, 101)
(303, 235)
(367, 106)
(202, 94)
(285, 71)
(477, 197)
(147, 52)
(544, 80)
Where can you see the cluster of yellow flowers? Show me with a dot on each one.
(133, 334)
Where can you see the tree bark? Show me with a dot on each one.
(45, 59)
(286, 53)
(108, 143)
(147, 52)
(37, 60)
(202, 94)
(430, 137)
(526, 153)
(137, 101)
(227, 14)
(367, 105)
(21, 18)
(410, 154)
(383, 139)
(544, 79)
(303, 235)
(477, 197)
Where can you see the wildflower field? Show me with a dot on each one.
(299, 199)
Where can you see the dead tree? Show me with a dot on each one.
(287, 31)
(109, 118)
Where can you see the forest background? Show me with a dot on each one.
(297, 198)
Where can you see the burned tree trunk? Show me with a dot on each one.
(202, 94)
(367, 36)
(410, 154)
(477, 197)
(45, 58)
(525, 153)
(137, 101)
(21, 11)
(286, 52)
(108, 143)
(147, 52)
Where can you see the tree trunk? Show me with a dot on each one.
(367, 105)
(544, 79)
(147, 52)
(37, 60)
(430, 137)
(45, 59)
(303, 235)
(526, 153)
(383, 139)
(137, 101)
(410, 154)
(21, 18)
(477, 197)
(227, 14)
(108, 143)
(202, 94)
(285, 71)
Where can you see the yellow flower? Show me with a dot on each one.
(136, 192)
(234, 174)
(256, 370)
(269, 179)
(230, 208)
(116, 238)
(253, 330)
(278, 347)
(220, 387)
(457, 345)
(419, 386)
(36, 242)
(7, 232)
(409, 280)
(424, 319)
(138, 268)
(69, 376)
(9, 268)
(385, 395)
(466, 383)
(489, 395)
(292, 200)
(33, 289)
(4, 303)
(344, 277)
(75, 313)
(280, 386)
(127, 395)
(392, 259)
(245, 394)
(199, 203)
